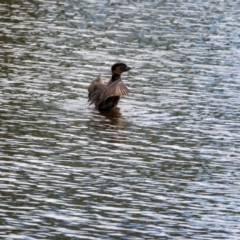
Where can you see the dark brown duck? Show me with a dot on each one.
(107, 95)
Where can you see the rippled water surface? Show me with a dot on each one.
(164, 164)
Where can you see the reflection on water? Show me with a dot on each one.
(164, 164)
(114, 116)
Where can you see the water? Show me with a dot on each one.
(164, 164)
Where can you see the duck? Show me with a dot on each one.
(106, 96)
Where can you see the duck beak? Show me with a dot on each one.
(127, 69)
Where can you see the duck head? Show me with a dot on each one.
(119, 68)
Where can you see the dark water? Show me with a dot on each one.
(164, 165)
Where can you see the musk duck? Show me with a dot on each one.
(106, 96)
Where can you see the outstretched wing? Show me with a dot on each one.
(95, 90)
(117, 88)
(94, 85)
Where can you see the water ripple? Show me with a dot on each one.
(162, 165)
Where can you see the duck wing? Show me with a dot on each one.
(95, 85)
(95, 90)
(117, 88)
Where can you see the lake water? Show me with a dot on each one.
(164, 164)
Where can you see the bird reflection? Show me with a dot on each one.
(109, 126)
(106, 120)
(114, 116)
